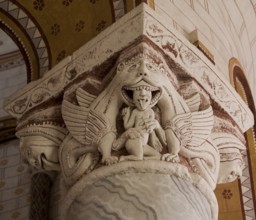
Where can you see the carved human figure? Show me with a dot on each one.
(139, 123)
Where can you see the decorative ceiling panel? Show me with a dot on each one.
(52, 30)
(67, 24)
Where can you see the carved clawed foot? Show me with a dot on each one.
(174, 158)
(109, 160)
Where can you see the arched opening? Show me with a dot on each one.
(241, 85)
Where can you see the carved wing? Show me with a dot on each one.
(84, 98)
(193, 128)
(229, 146)
(76, 117)
(193, 102)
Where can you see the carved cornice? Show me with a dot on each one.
(141, 22)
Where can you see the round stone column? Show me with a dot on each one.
(138, 190)
(40, 193)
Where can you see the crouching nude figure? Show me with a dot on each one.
(141, 127)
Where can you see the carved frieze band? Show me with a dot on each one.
(139, 23)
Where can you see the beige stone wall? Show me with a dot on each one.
(10, 81)
(226, 28)
(14, 183)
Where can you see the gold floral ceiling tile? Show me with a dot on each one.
(230, 201)
(68, 24)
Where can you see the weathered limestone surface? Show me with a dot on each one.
(142, 196)
(132, 120)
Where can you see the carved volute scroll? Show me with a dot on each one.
(150, 106)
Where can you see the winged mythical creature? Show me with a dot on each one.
(92, 123)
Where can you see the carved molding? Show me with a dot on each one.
(141, 22)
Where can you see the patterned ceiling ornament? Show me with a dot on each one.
(227, 194)
(26, 23)
(94, 1)
(38, 4)
(55, 29)
(67, 2)
(61, 55)
(79, 26)
(101, 25)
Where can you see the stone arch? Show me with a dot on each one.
(240, 83)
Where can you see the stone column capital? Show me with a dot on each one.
(138, 91)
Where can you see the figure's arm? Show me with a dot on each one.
(151, 123)
(128, 117)
(151, 114)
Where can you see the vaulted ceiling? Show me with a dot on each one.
(46, 31)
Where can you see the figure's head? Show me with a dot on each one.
(142, 97)
(143, 65)
(231, 165)
(41, 152)
(230, 171)
(39, 144)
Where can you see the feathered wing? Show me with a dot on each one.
(76, 116)
(193, 102)
(194, 131)
(84, 98)
(193, 128)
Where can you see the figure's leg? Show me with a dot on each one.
(105, 147)
(135, 150)
(173, 145)
(150, 153)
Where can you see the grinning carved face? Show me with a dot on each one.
(40, 152)
(142, 95)
(230, 171)
(142, 84)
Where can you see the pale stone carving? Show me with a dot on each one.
(147, 104)
(39, 144)
(162, 120)
(143, 80)
(139, 124)
(130, 197)
(231, 151)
